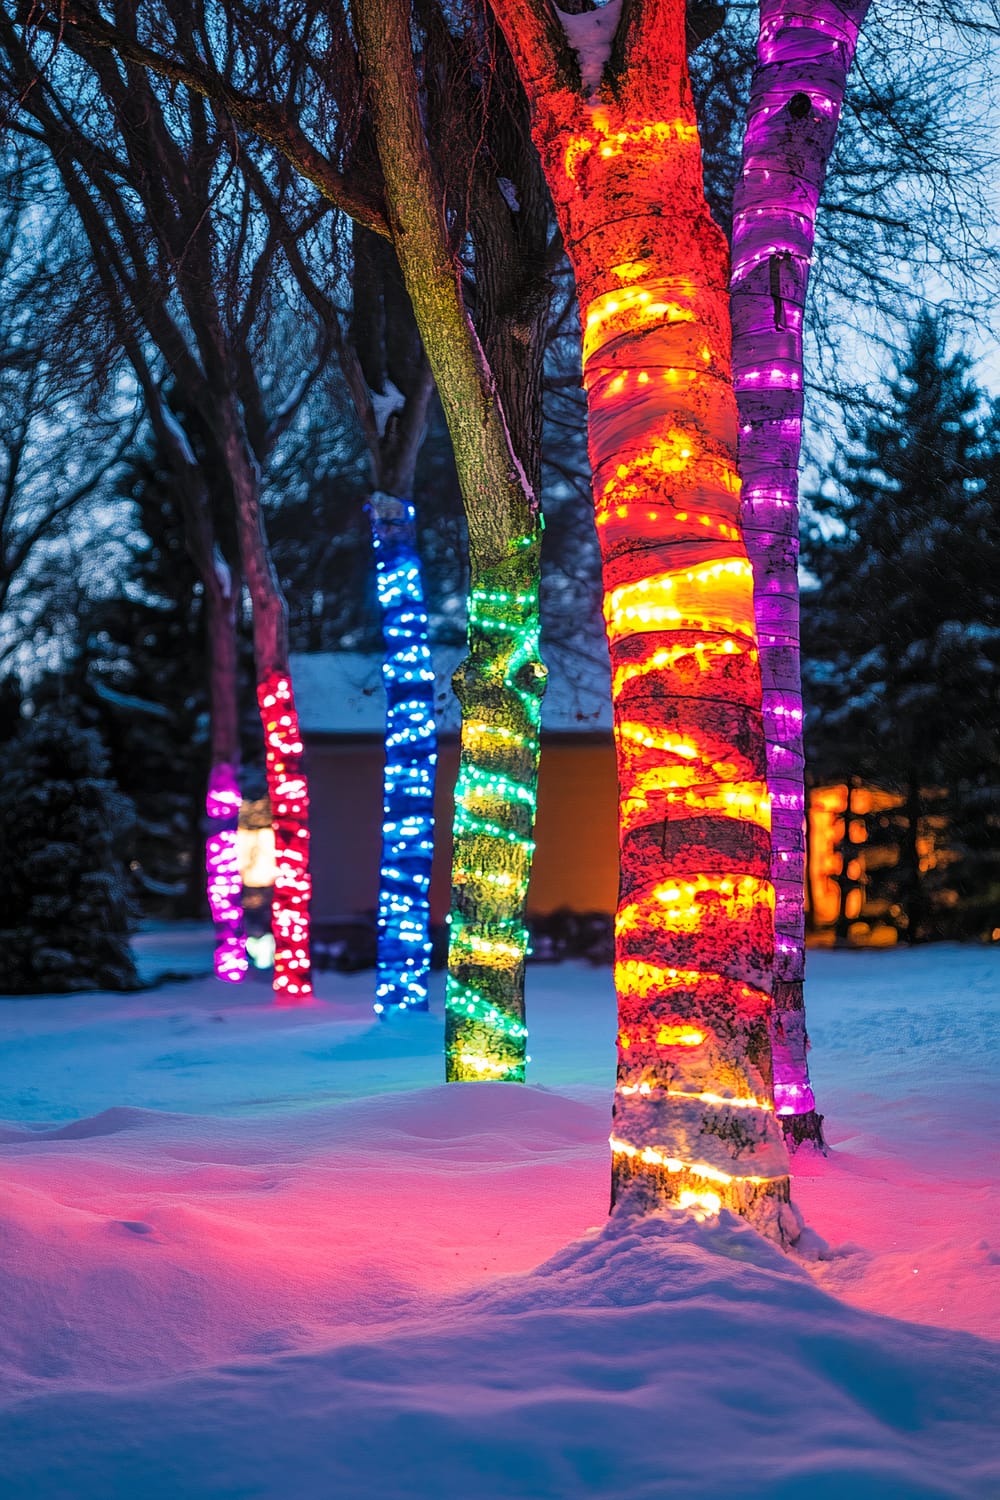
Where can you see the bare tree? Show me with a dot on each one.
(63, 439)
(186, 269)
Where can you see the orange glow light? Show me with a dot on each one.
(682, 905)
(713, 598)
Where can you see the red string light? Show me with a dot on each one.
(288, 790)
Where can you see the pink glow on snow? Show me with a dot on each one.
(280, 1210)
(254, 1142)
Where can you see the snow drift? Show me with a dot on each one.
(255, 1252)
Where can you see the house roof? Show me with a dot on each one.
(340, 692)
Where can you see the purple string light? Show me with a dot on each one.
(804, 54)
(225, 884)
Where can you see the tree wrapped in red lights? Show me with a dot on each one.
(613, 120)
(287, 788)
(804, 54)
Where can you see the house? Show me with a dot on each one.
(341, 714)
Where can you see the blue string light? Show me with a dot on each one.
(404, 944)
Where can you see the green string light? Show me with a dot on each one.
(466, 1001)
(495, 804)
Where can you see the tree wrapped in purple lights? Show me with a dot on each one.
(804, 54)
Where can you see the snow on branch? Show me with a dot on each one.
(591, 35)
(128, 701)
(385, 404)
(178, 434)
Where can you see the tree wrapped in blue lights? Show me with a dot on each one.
(404, 948)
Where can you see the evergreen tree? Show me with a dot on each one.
(903, 637)
(63, 884)
(11, 698)
(141, 674)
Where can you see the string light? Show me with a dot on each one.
(705, 1097)
(675, 1164)
(404, 940)
(500, 688)
(709, 1204)
(694, 931)
(803, 55)
(740, 1190)
(288, 791)
(224, 882)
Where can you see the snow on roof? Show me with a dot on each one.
(340, 692)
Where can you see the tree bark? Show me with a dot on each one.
(499, 686)
(693, 1121)
(804, 54)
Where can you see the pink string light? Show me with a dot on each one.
(288, 790)
(224, 882)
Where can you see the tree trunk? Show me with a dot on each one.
(222, 798)
(845, 881)
(224, 886)
(499, 686)
(287, 785)
(693, 1123)
(804, 53)
(912, 893)
(404, 943)
(223, 883)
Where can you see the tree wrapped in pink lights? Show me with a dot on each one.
(224, 882)
(804, 54)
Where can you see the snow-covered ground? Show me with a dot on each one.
(260, 1252)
